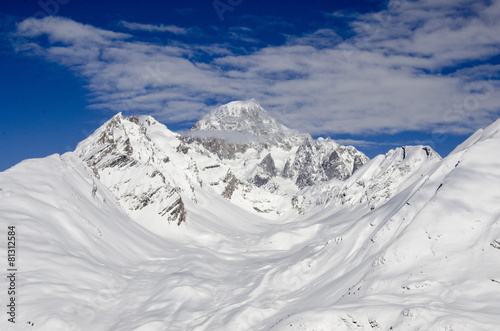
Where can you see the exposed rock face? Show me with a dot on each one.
(232, 183)
(318, 161)
(307, 170)
(268, 165)
(359, 161)
(265, 171)
(219, 146)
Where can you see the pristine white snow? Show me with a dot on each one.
(425, 258)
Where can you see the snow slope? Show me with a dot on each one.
(424, 258)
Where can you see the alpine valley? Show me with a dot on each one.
(244, 224)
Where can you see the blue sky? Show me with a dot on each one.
(374, 74)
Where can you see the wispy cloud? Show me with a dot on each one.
(356, 142)
(152, 27)
(71, 33)
(419, 65)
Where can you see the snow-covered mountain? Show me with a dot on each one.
(376, 182)
(143, 229)
(153, 171)
(132, 158)
(244, 131)
(244, 123)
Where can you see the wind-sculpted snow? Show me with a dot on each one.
(422, 257)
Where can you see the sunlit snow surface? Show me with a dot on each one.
(427, 259)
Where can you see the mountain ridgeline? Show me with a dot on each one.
(238, 150)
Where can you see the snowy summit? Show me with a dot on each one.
(243, 122)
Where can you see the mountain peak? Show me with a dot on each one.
(244, 117)
(118, 116)
(244, 108)
(244, 122)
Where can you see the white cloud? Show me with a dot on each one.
(355, 142)
(386, 79)
(59, 29)
(442, 32)
(372, 144)
(153, 28)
